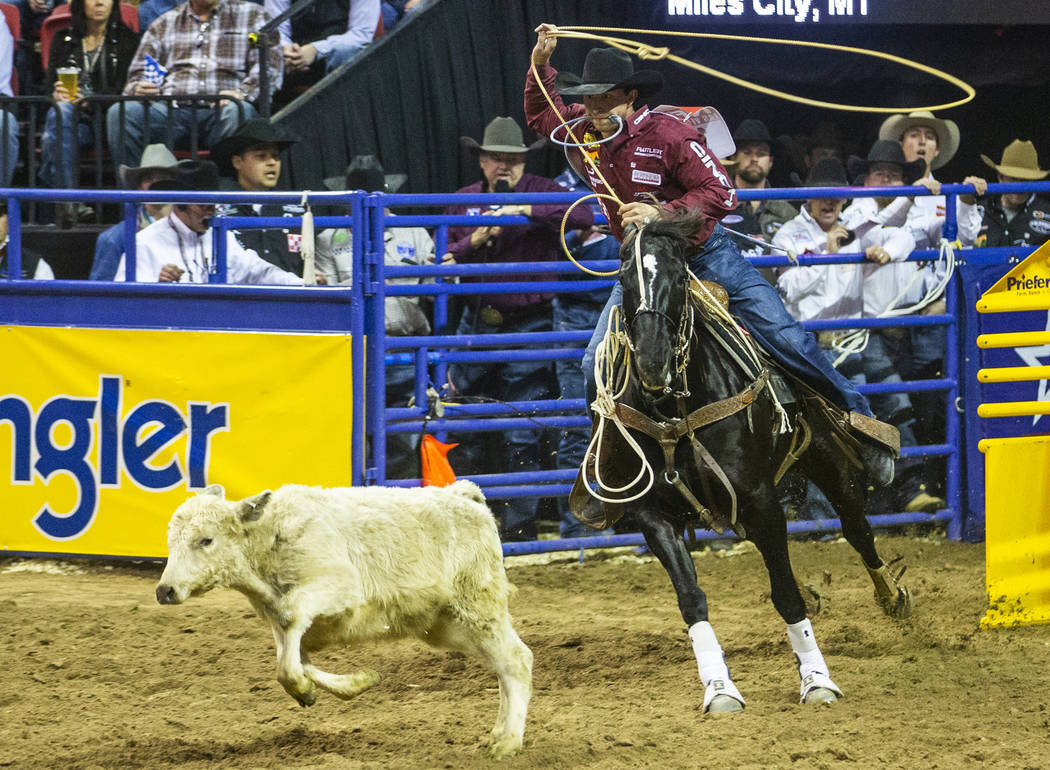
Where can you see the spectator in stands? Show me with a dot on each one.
(100, 46)
(578, 311)
(33, 13)
(404, 316)
(32, 264)
(252, 154)
(824, 141)
(1016, 219)
(395, 10)
(752, 164)
(151, 9)
(933, 140)
(814, 292)
(9, 124)
(178, 248)
(157, 163)
(885, 166)
(204, 46)
(501, 156)
(326, 35)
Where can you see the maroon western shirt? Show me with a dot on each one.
(537, 242)
(655, 154)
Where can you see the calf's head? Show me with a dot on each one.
(207, 539)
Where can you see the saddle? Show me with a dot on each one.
(844, 427)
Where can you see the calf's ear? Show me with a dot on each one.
(251, 508)
(216, 490)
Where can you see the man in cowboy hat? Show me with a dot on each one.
(1016, 219)
(157, 163)
(178, 248)
(403, 315)
(817, 292)
(252, 155)
(752, 163)
(934, 141)
(658, 165)
(886, 166)
(501, 156)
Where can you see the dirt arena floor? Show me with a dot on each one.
(95, 674)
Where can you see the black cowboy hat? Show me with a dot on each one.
(826, 172)
(501, 135)
(252, 132)
(752, 130)
(605, 69)
(197, 175)
(886, 151)
(365, 172)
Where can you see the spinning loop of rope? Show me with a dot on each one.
(645, 51)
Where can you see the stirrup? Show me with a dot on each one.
(589, 510)
(880, 432)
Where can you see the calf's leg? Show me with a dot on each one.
(495, 641)
(290, 671)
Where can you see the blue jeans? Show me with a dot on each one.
(126, 142)
(520, 449)
(74, 136)
(758, 307)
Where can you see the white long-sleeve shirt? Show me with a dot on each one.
(834, 291)
(169, 241)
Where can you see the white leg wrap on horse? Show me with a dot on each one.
(812, 669)
(709, 659)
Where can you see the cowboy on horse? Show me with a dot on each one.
(657, 166)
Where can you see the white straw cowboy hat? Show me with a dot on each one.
(501, 135)
(606, 69)
(155, 158)
(1020, 161)
(947, 132)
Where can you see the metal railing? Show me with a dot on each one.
(431, 354)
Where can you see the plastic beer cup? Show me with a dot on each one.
(68, 77)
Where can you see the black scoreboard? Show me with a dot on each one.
(681, 13)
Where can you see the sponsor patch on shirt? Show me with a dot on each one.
(473, 211)
(646, 177)
(642, 116)
(406, 252)
(295, 241)
(1040, 226)
(1038, 214)
(649, 152)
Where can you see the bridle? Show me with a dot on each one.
(682, 328)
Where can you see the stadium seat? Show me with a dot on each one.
(60, 19)
(14, 23)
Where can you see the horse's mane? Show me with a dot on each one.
(682, 227)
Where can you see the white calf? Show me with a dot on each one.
(338, 566)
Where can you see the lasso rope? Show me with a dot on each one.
(646, 51)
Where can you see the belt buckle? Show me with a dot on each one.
(491, 316)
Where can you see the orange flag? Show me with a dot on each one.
(434, 455)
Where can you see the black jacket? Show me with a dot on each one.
(1029, 227)
(67, 50)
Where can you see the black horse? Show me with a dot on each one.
(698, 406)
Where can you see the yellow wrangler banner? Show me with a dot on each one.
(1017, 530)
(104, 432)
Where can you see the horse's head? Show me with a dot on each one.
(655, 281)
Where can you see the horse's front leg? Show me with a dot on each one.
(720, 694)
(770, 537)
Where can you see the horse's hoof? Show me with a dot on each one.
(506, 746)
(899, 607)
(820, 695)
(724, 704)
